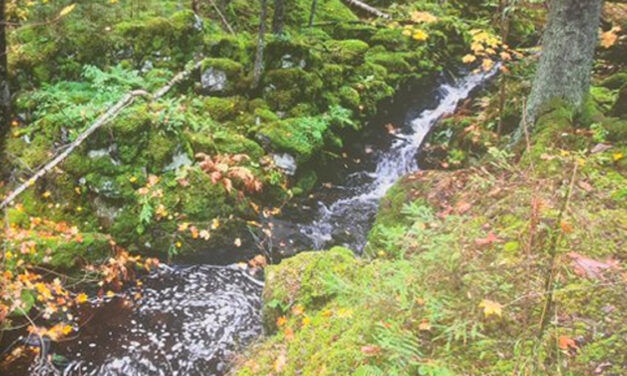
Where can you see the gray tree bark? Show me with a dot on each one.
(278, 18)
(258, 68)
(5, 93)
(568, 46)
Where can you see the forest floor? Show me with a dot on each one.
(507, 256)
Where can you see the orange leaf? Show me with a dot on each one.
(565, 343)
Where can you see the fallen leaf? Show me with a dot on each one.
(609, 38)
(424, 325)
(491, 238)
(462, 207)
(281, 321)
(587, 267)
(600, 148)
(491, 307)
(565, 343)
(289, 334)
(585, 186)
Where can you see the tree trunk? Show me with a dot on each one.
(568, 46)
(312, 14)
(278, 19)
(258, 68)
(5, 94)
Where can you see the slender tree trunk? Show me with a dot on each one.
(312, 14)
(568, 46)
(258, 68)
(5, 94)
(278, 19)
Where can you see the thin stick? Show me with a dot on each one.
(224, 20)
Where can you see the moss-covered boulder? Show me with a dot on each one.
(301, 137)
(301, 279)
(222, 76)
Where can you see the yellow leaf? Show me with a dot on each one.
(81, 298)
(298, 310)
(469, 59)
(281, 321)
(420, 35)
(423, 17)
(67, 10)
(487, 64)
(491, 308)
(609, 38)
(215, 224)
(617, 156)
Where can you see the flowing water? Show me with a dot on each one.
(347, 220)
(190, 320)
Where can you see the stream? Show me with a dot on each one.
(192, 320)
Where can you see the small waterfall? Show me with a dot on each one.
(349, 218)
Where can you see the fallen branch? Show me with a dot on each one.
(222, 18)
(126, 101)
(366, 8)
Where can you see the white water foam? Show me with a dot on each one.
(356, 212)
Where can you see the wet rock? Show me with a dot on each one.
(213, 81)
(286, 162)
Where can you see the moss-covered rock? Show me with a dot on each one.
(349, 51)
(301, 137)
(301, 279)
(222, 76)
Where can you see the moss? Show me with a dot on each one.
(202, 200)
(354, 31)
(350, 51)
(223, 109)
(174, 36)
(301, 137)
(234, 71)
(284, 88)
(394, 62)
(616, 129)
(68, 255)
(391, 38)
(160, 149)
(305, 182)
(299, 278)
(332, 75)
(615, 81)
(554, 129)
(620, 107)
(239, 47)
(350, 97)
(31, 154)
